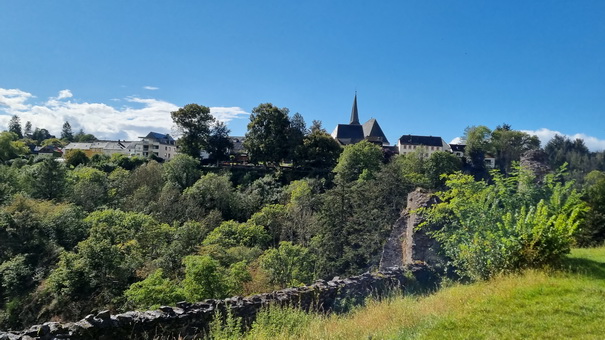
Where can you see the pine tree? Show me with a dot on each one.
(28, 129)
(66, 132)
(14, 126)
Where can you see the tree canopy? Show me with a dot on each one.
(267, 139)
(194, 122)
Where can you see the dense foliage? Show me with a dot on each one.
(511, 224)
(117, 232)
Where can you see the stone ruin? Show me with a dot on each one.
(407, 244)
(536, 161)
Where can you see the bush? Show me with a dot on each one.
(514, 223)
(288, 265)
(154, 291)
(232, 234)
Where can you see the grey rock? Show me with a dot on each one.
(104, 315)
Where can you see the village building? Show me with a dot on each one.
(354, 132)
(238, 153)
(428, 144)
(100, 147)
(49, 151)
(156, 144)
(458, 149)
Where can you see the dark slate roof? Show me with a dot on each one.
(347, 134)
(46, 149)
(238, 144)
(458, 147)
(421, 140)
(162, 138)
(373, 132)
(354, 113)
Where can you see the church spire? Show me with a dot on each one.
(354, 114)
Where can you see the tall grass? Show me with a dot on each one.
(566, 302)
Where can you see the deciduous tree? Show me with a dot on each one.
(11, 147)
(509, 144)
(318, 150)
(182, 170)
(219, 142)
(358, 161)
(267, 136)
(288, 265)
(194, 122)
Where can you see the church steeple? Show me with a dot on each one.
(354, 114)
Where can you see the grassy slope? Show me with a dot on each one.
(532, 305)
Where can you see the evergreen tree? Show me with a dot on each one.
(48, 179)
(28, 129)
(297, 132)
(14, 126)
(66, 132)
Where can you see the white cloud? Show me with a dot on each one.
(13, 100)
(545, 135)
(151, 88)
(226, 114)
(65, 94)
(135, 118)
(456, 140)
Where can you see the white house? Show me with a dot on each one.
(430, 144)
(158, 144)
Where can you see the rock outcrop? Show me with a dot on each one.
(407, 244)
(536, 161)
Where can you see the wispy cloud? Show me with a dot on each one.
(136, 117)
(226, 114)
(545, 135)
(151, 88)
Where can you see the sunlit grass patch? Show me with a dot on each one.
(534, 304)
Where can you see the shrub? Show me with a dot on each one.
(155, 290)
(514, 223)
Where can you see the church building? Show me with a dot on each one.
(354, 132)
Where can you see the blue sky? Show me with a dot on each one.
(117, 68)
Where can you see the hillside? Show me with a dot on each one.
(534, 304)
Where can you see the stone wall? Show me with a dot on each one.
(192, 320)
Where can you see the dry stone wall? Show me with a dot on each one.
(192, 320)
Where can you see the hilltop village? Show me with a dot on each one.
(164, 147)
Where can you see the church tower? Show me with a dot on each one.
(354, 113)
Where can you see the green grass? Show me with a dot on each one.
(535, 304)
